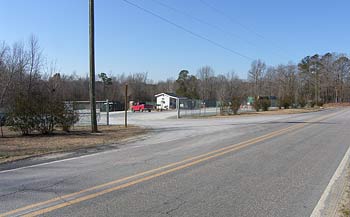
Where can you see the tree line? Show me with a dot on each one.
(316, 79)
(29, 83)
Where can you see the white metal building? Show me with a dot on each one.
(166, 101)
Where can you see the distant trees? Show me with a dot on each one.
(33, 92)
(187, 85)
(314, 80)
(106, 81)
(207, 83)
(325, 78)
(256, 75)
(231, 92)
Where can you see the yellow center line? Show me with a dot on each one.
(195, 160)
(137, 175)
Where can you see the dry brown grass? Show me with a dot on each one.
(15, 146)
(336, 105)
(276, 112)
(290, 111)
(344, 205)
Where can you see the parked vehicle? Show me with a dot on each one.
(141, 107)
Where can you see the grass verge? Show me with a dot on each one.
(14, 146)
(274, 112)
(344, 206)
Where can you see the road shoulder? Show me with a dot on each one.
(86, 146)
(332, 199)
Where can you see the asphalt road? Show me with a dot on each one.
(268, 165)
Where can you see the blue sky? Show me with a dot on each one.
(129, 40)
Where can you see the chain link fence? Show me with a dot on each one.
(200, 108)
(83, 110)
(192, 108)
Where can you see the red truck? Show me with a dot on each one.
(141, 107)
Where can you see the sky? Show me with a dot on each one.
(178, 34)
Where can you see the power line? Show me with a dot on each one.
(229, 33)
(218, 11)
(187, 30)
(231, 19)
(204, 22)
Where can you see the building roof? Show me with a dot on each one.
(171, 95)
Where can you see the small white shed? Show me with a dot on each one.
(166, 101)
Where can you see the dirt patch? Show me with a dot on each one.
(14, 146)
(275, 112)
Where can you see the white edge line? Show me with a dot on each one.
(67, 159)
(51, 162)
(322, 202)
(80, 157)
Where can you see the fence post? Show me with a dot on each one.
(178, 108)
(107, 110)
(126, 107)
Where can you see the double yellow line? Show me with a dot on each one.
(86, 194)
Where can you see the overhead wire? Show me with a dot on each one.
(220, 12)
(199, 20)
(217, 44)
(216, 27)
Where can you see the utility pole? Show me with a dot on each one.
(126, 106)
(316, 89)
(107, 111)
(314, 72)
(92, 66)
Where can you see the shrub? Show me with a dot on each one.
(224, 108)
(20, 117)
(302, 102)
(235, 104)
(286, 102)
(265, 104)
(40, 113)
(320, 104)
(257, 104)
(312, 104)
(68, 118)
(2, 122)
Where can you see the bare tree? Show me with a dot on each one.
(206, 83)
(256, 74)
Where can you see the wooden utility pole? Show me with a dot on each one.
(126, 105)
(92, 66)
(107, 111)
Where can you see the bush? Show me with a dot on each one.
(286, 104)
(2, 122)
(257, 104)
(312, 104)
(40, 113)
(302, 102)
(68, 118)
(261, 104)
(27, 120)
(235, 104)
(20, 117)
(265, 104)
(320, 104)
(224, 108)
